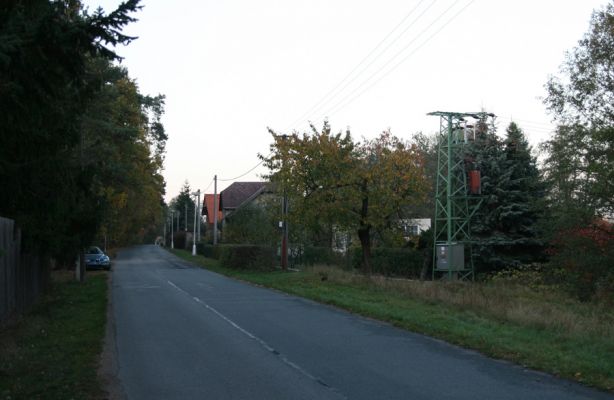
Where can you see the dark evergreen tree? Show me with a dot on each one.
(44, 50)
(522, 205)
(182, 202)
(486, 154)
(505, 226)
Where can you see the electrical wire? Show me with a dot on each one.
(246, 172)
(208, 186)
(321, 102)
(340, 105)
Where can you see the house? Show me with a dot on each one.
(415, 226)
(208, 207)
(240, 194)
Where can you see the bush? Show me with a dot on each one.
(392, 262)
(208, 250)
(311, 255)
(583, 260)
(250, 257)
(179, 240)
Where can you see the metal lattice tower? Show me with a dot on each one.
(456, 201)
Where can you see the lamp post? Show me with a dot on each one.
(197, 193)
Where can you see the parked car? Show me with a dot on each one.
(96, 259)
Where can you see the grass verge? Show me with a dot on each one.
(540, 329)
(53, 351)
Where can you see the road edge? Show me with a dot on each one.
(108, 367)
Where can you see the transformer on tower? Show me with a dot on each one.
(458, 190)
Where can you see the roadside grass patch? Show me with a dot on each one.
(53, 351)
(537, 328)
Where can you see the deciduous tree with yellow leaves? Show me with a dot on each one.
(359, 186)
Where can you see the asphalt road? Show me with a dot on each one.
(185, 333)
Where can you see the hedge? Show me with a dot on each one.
(246, 256)
(391, 262)
(310, 255)
(208, 250)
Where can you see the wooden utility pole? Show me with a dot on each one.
(215, 206)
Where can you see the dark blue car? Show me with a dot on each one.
(96, 259)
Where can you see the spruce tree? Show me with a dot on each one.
(487, 156)
(505, 226)
(523, 191)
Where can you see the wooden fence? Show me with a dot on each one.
(23, 277)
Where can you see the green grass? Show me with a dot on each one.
(53, 351)
(541, 329)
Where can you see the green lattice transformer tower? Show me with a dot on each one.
(457, 195)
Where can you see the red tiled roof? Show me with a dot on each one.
(208, 208)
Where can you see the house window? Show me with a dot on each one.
(412, 230)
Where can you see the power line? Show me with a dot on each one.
(340, 105)
(245, 173)
(321, 102)
(208, 186)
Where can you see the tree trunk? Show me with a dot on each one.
(365, 244)
(364, 232)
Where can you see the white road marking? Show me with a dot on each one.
(254, 337)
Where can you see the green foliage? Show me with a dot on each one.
(583, 259)
(180, 240)
(332, 181)
(506, 224)
(67, 116)
(249, 257)
(251, 224)
(209, 250)
(316, 255)
(582, 95)
(579, 164)
(182, 202)
(121, 141)
(406, 263)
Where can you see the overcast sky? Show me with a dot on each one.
(232, 68)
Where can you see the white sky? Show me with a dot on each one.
(231, 68)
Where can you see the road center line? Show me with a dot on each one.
(256, 338)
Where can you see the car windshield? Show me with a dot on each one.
(94, 250)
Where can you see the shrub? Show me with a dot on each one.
(179, 240)
(392, 262)
(311, 255)
(583, 260)
(208, 250)
(251, 257)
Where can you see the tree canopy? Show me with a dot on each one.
(81, 150)
(363, 187)
(579, 161)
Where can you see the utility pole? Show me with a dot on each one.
(198, 206)
(215, 206)
(185, 225)
(197, 193)
(284, 238)
(284, 227)
(172, 242)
